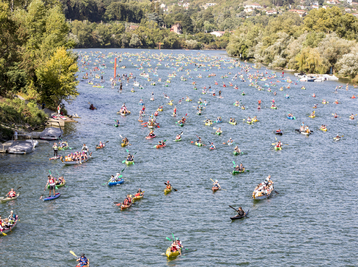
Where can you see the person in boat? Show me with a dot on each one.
(219, 119)
(259, 102)
(258, 107)
(101, 144)
(178, 137)
(127, 200)
(313, 113)
(198, 140)
(169, 186)
(249, 119)
(239, 168)
(279, 144)
(55, 149)
(117, 122)
(278, 131)
(82, 261)
(237, 149)
(52, 183)
(337, 137)
(91, 107)
(212, 146)
(351, 117)
(112, 179)
(240, 212)
(11, 193)
(315, 106)
(219, 130)
(216, 184)
(60, 180)
(151, 133)
(237, 103)
(254, 118)
(335, 115)
(125, 140)
(230, 141)
(324, 101)
(323, 126)
(130, 157)
(139, 193)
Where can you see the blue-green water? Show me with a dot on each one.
(311, 222)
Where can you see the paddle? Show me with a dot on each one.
(172, 187)
(73, 254)
(233, 208)
(4, 234)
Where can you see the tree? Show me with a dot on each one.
(56, 78)
(135, 41)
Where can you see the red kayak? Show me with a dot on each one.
(160, 146)
(156, 113)
(215, 188)
(150, 137)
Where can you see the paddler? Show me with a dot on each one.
(248, 119)
(289, 115)
(55, 149)
(117, 122)
(313, 113)
(11, 193)
(219, 119)
(82, 261)
(175, 111)
(52, 183)
(127, 200)
(278, 131)
(240, 212)
(91, 107)
(279, 144)
(101, 145)
(254, 118)
(151, 133)
(130, 157)
(237, 149)
(219, 93)
(199, 140)
(139, 193)
(169, 186)
(335, 115)
(212, 146)
(315, 106)
(85, 148)
(337, 137)
(216, 184)
(125, 140)
(219, 130)
(178, 137)
(230, 141)
(239, 168)
(351, 117)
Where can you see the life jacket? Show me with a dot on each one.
(169, 186)
(12, 194)
(52, 182)
(137, 195)
(55, 147)
(174, 248)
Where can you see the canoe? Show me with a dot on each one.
(323, 129)
(121, 181)
(135, 198)
(291, 118)
(218, 133)
(177, 140)
(124, 207)
(171, 255)
(52, 197)
(233, 123)
(240, 217)
(123, 144)
(150, 137)
(77, 162)
(278, 148)
(5, 231)
(257, 195)
(304, 132)
(236, 172)
(59, 185)
(215, 188)
(198, 144)
(167, 191)
(129, 162)
(6, 199)
(159, 146)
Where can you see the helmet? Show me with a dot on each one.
(216, 181)
(167, 182)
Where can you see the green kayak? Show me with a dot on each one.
(129, 162)
(218, 133)
(236, 172)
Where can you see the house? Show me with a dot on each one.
(208, 5)
(315, 7)
(132, 27)
(349, 2)
(218, 33)
(348, 10)
(176, 28)
(355, 14)
(253, 6)
(301, 13)
(271, 12)
(186, 5)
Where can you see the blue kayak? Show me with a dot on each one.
(121, 181)
(52, 197)
(291, 118)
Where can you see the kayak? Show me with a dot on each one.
(121, 181)
(314, 116)
(172, 255)
(57, 195)
(123, 207)
(220, 121)
(198, 144)
(65, 147)
(304, 132)
(115, 125)
(181, 124)
(199, 113)
(208, 123)
(249, 122)
(6, 199)
(291, 118)
(274, 107)
(323, 129)
(57, 157)
(236, 172)
(188, 100)
(177, 140)
(233, 123)
(129, 162)
(160, 146)
(218, 133)
(59, 185)
(150, 137)
(87, 265)
(323, 102)
(336, 138)
(159, 109)
(167, 191)
(215, 188)
(278, 148)
(240, 217)
(99, 147)
(123, 144)
(5, 231)
(135, 198)
(279, 133)
(237, 153)
(253, 120)
(124, 113)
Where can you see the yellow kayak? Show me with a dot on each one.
(167, 191)
(253, 120)
(171, 255)
(159, 109)
(135, 198)
(208, 123)
(123, 144)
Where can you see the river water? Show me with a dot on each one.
(312, 221)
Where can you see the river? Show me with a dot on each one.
(311, 221)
